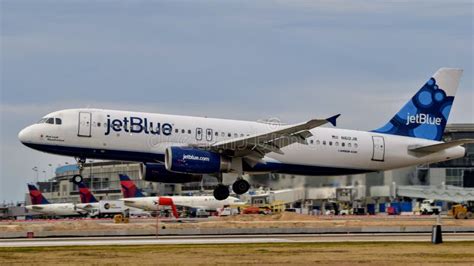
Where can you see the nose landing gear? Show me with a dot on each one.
(76, 179)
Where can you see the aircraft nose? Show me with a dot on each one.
(25, 135)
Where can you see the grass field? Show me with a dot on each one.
(254, 254)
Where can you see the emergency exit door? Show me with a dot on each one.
(85, 124)
(378, 148)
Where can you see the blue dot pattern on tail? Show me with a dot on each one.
(424, 116)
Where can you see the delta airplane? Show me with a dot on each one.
(180, 149)
(42, 205)
(88, 202)
(133, 197)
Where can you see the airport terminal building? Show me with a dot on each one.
(102, 178)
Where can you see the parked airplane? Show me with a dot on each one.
(88, 201)
(180, 149)
(133, 197)
(41, 204)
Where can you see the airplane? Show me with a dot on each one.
(180, 149)
(88, 202)
(133, 197)
(41, 205)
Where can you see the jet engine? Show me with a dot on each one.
(195, 161)
(156, 172)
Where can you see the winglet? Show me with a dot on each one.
(333, 119)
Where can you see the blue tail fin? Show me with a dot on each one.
(426, 114)
(129, 189)
(36, 195)
(85, 194)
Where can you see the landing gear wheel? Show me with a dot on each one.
(221, 192)
(240, 186)
(77, 179)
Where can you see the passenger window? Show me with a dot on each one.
(183, 131)
(229, 135)
(50, 121)
(98, 124)
(311, 141)
(324, 142)
(176, 131)
(330, 143)
(343, 144)
(216, 134)
(58, 121)
(189, 131)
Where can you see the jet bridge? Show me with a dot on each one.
(442, 193)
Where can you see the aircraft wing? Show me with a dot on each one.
(441, 146)
(256, 146)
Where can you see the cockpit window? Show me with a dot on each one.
(50, 120)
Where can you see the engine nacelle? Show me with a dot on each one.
(155, 172)
(195, 161)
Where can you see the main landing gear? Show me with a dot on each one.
(240, 186)
(76, 179)
(221, 192)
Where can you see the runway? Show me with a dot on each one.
(232, 239)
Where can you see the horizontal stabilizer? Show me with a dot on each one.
(441, 146)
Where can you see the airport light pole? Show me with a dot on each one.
(51, 178)
(36, 170)
(90, 174)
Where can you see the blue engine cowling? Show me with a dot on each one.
(156, 172)
(195, 161)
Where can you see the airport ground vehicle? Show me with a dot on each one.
(257, 210)
(462, 211)
(429, 207)
(107, 208)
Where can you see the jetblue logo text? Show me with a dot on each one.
(137, 125)
(195, 158)
(423, 119)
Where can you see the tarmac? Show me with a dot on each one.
(265, 225)
(234, 239)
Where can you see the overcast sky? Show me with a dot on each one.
(293, 60)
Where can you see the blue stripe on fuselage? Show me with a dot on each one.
(134, 156)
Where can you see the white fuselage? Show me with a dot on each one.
(143, 137)
(88, 206)
(200, 202)
(56, 209)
